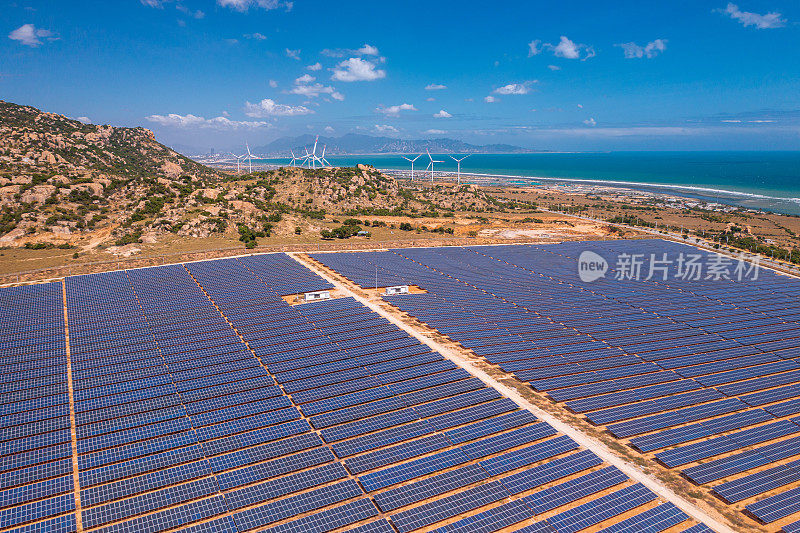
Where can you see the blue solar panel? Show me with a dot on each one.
(653, 520)
(601, 509)
(776, 507)
(423, 489)
(492, 520)
(447, 507)
(285, 508)
(574, 489)
(758, 483)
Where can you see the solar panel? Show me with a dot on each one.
(776, 507)
(758, 483)
(653, 520)
(329, 519)
(447, 507)
(572, 490)
(423, 489)
(491, 520)
(284, 508)
(601, 509)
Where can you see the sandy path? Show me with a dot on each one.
(600, 449)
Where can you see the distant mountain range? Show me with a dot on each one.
(355, 144)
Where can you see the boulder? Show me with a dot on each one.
(171, 169)
(12, 235)
(38, 194)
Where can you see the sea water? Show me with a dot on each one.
(758, 180)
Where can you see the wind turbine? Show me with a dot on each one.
(238, 160)
(249, 157)
(458, 161)
(322, 157)
(294, 159)
(430, 165)
(314, 157)
(412, 164)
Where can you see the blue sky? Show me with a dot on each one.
(627, 75)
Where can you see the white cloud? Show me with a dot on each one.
(191, 121)
(312, 91)
(762, 22)
(553, 67)
(273, 83)
(565, 48)
(434, 132)
(315, 66)
(357, 69)
(571, 50)
(255, 36)
(85, 120)
(305, 78)
(515, 88)
(590, 122)
(186, 11)
(490, 99)
(329, 130)
(294, 54)
(435, 87)
(442, 114)
(269, 108)
(650, 50)
(29, 35)
(244, 5)
(430, 99)
(394, 111)
(366, 50)
(385, 128)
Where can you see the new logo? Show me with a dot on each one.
(591, 266)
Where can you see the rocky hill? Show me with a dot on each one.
(35, 141)
(68, 184)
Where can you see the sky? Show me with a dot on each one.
(573, 75)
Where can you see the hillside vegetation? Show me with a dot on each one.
(68, 184)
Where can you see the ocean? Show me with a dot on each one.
(757, 180)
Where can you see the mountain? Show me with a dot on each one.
(31, 139)
(62, 179)
(351, 144)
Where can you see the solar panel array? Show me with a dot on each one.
(201, 401)
(35, 442)
(702, 375)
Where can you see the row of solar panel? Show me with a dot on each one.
(191, 475)
(682, 351)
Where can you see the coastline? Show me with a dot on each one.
(751, 180)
